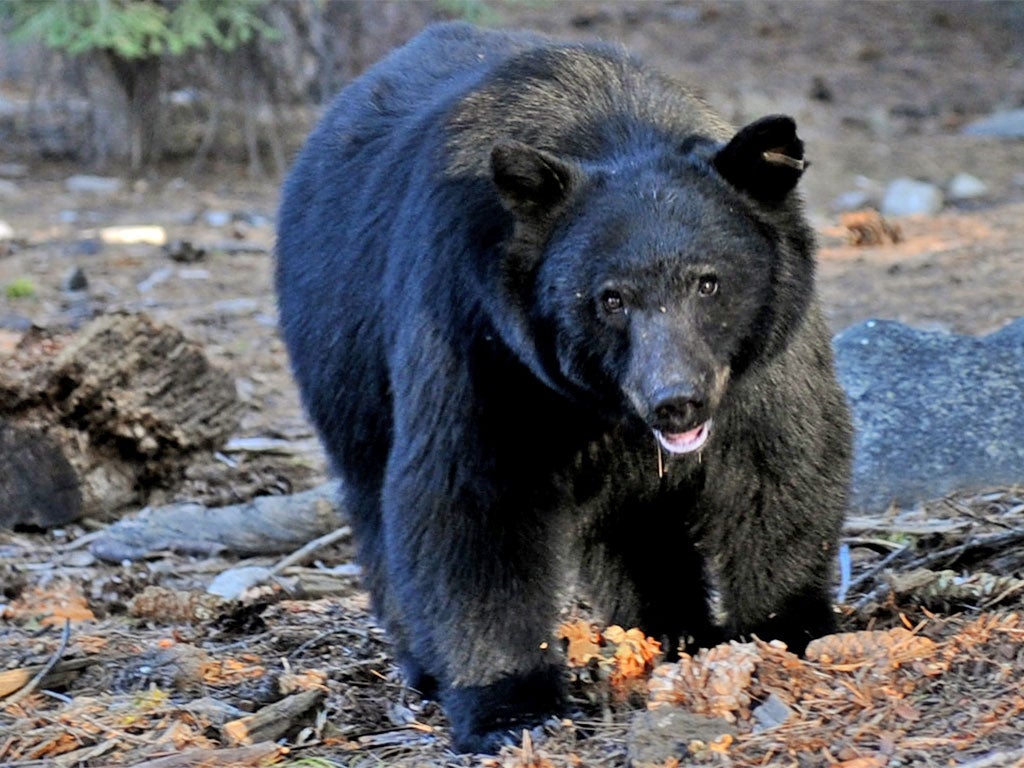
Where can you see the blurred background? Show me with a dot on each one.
(880, 89)
(142, 147)
(143, 142)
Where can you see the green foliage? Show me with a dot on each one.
(136, 29)
(473, 11)
(483, 12)
(20, 288)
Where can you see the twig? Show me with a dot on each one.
(1008, 592)
(309, 548)
(255, 754)
(997, 760)
(873, 571)
(32, 684)
(991, 542)
(964, 510)
(943, 556)
(879, 545)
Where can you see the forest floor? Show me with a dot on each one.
(166, 679)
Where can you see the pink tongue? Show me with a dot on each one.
(684, 437)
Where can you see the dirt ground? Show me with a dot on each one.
(879, 90)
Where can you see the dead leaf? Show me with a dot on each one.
(582, 642)
(863, 762)
(51, 606)
(868, 228)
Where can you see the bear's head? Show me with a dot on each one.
(652, 279)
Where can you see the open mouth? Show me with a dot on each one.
(684, 442)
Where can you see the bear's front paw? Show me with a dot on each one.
(485, 718)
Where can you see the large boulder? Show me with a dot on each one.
(933, 412)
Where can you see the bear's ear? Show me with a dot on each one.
(531, 182)
(765, 159)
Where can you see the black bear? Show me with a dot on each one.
(545, 308)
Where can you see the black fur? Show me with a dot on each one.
(504, 263)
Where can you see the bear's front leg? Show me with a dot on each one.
(475, 575)
(776, 569)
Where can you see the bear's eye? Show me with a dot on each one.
(707, 285)
(612, 302)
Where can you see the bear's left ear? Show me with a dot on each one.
(531, 182)
(765, 159)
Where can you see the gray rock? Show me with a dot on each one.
(773, 712)
(1004, 125)
(659, 734)
(906, 197)
(75, 280)
(95, 185)
(9, 190)
(230, 584)
(933, 412)
(13, 170)
(194, 273)
(90, 246)
(217, 218)
(854, 200)
(240, 307)
(964, 186)
(12, 322)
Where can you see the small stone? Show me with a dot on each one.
(194, 273)
(240, 307)
(12, 322)
(773, 712)
(964, 186)
(820, 90)
(664, 733)
(217, 218)
(184, 251)
(87, 247)
(13, 170)
(6, 231)
(79, 558)
(254, 219)
(906, 197)
(854, 200)
(1003, 125)
(96, 185)
(230, 584)
(76, 280)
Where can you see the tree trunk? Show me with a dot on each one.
(140, 81)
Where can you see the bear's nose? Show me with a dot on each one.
(675, 408)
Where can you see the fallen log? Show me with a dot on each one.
(264, 525)
(89, 424)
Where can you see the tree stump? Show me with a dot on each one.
(90, 423)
